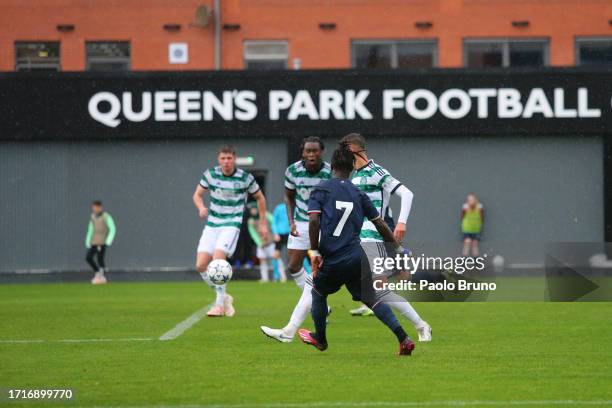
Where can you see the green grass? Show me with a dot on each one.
(496, 351)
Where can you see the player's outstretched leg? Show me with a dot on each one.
(224, 302)
(384, 314)
(405, 309)
(300, 312)
(317, 339)
(295, 262)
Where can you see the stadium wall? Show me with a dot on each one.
(544, 182)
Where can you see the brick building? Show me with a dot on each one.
(71, 35)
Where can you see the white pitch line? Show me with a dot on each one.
(454, 403)
(74, 340)
(183, 326)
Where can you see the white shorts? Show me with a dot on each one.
(266, 251)
(303, 241)
(219, 238)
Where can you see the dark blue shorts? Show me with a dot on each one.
(353, 272)
(475, 237)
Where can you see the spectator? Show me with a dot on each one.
(282, 228)
(472, 220)
(266, 249)
(100, 235)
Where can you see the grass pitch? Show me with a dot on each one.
(483, 354)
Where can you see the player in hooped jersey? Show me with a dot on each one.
(378, 184)
(229, 188)
(301, 178)
(337, 210)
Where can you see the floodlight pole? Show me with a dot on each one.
(217, 11)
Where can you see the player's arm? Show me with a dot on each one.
(315, 205)
(314, 227)
(112, 230)
(198, 201)
(394, 186)
(290, 192)
(89, 235)
(263, 221)
(290, 203)
(406, 197)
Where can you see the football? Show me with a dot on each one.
(219, 271)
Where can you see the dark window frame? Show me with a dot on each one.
(54, 64)
(587, 39)
(263, 58)
(394, 54)
(108, 60)
(505, 44)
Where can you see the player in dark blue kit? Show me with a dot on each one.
(336, 212)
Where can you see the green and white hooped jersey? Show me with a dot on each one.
(228, 195)
(378, 184)
(297, 178)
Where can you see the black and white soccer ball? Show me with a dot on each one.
(219, 271)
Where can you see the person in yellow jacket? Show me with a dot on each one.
(472, 220)
(101, 232)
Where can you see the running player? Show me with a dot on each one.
(300, 179)
(337, 209)
(378, 185)
(229, 188)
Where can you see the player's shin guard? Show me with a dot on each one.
(385, 315)
(301, 310)
(403, 307)
(319, 315)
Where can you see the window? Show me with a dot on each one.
(39, 56)
(505, 53)
(264, 55)
(107, 56)
(394, 54)
(592, 52)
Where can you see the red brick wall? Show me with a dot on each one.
(297, 21)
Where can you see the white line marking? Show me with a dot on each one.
(74, 340)
(458, 403)
(98, 340)
(186, 324)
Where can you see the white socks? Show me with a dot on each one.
(281, 270)
(300, 278)
(405, 309)
(220, 289)
(264, 270)
(301, 311)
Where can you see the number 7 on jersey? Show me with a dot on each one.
(346, 207)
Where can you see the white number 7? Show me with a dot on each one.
(347, 207)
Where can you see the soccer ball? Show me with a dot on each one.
(219, 271)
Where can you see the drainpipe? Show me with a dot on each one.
(217, 11)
